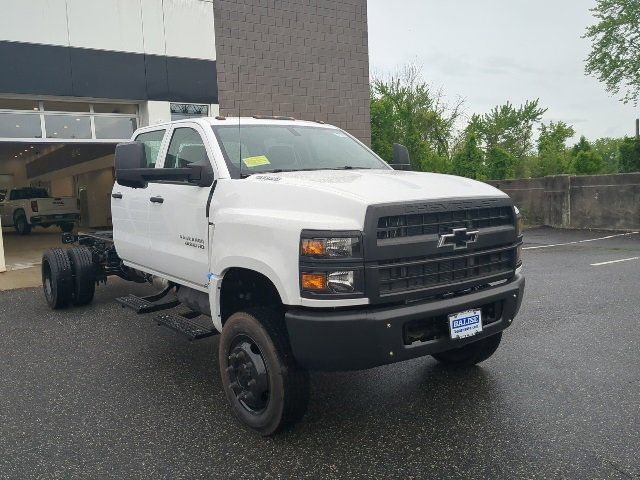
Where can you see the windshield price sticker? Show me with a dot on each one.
(258, 161)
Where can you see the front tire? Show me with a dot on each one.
(266, 388)
(84, 275)
(470, 354)
(22, 225)
(57, 280)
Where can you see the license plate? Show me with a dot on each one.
(465, 324)
(58, 217)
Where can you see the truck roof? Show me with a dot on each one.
(254, 120)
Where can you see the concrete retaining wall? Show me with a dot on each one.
(597, 201)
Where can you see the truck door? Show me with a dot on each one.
(178, 225)
(130, 207)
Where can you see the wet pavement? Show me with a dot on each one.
(98, 392)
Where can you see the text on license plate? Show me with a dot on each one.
(465, 324)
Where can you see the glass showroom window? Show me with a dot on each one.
(20, 125)
(180, 111)
(68, 126)
(115, 127)
(66, 120)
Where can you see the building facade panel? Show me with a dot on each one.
(307, 59)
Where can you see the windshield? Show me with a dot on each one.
(28, 193)
(285, 148)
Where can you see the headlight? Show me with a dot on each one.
(331, 264)
(342, 281)
(518, 221)
(330, 247)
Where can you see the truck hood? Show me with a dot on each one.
(383, 186)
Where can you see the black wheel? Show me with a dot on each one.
(267, 390)
(471, 353)
(57, 280)
(84, 275)
(67, 227)
(21, 224)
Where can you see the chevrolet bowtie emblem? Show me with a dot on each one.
(459, 238)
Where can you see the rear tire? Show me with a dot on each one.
(266, 388)
(470, 354)
(84, 275)
(57, 280)
(21, 225)
(67, 227)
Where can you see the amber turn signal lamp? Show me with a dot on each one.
(312, 247)
(314, 281)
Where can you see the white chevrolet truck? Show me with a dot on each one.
(28, 207)
(303, 250)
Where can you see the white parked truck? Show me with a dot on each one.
(303, 250)
(28, 207)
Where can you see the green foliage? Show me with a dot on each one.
(609, 150)
(500, 164)
(588, 162)
(497, 145)
(553, 157)
(629, 155)
(615, 47)
(404, 109)
(508, 127)
(468, 161)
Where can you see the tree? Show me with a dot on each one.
(508, 127)
(587, 162)
(553, 157)
(609, 150)
(629, 155)
(615, 47)
(468, 160)
(500, 164)
(405, 109)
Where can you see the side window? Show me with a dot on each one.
(186, 148)
(152, 142)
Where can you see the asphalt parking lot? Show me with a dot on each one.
(98, 392)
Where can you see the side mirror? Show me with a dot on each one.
(201, 175)
(401, 160)
(130, 160)
(132, 170)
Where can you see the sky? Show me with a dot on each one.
(492, 51)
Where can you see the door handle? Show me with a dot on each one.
(156, 200)
(116, 195)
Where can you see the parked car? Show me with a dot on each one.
(28, 207)
(304, 250)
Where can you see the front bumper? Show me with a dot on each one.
(356, 339)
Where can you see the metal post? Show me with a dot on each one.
(638, 128)
(3, 266)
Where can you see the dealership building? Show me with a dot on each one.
(79, 76)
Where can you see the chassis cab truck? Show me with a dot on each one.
(303, 250)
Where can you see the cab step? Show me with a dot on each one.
(185, 324)
(148, 304)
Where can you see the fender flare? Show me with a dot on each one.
(215, 283)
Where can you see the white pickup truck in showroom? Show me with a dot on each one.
(28, 207)
(304, 250)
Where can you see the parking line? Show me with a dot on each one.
(614, 261)
(580, 241)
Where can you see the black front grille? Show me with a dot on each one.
(436, 223)
(406, 275)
